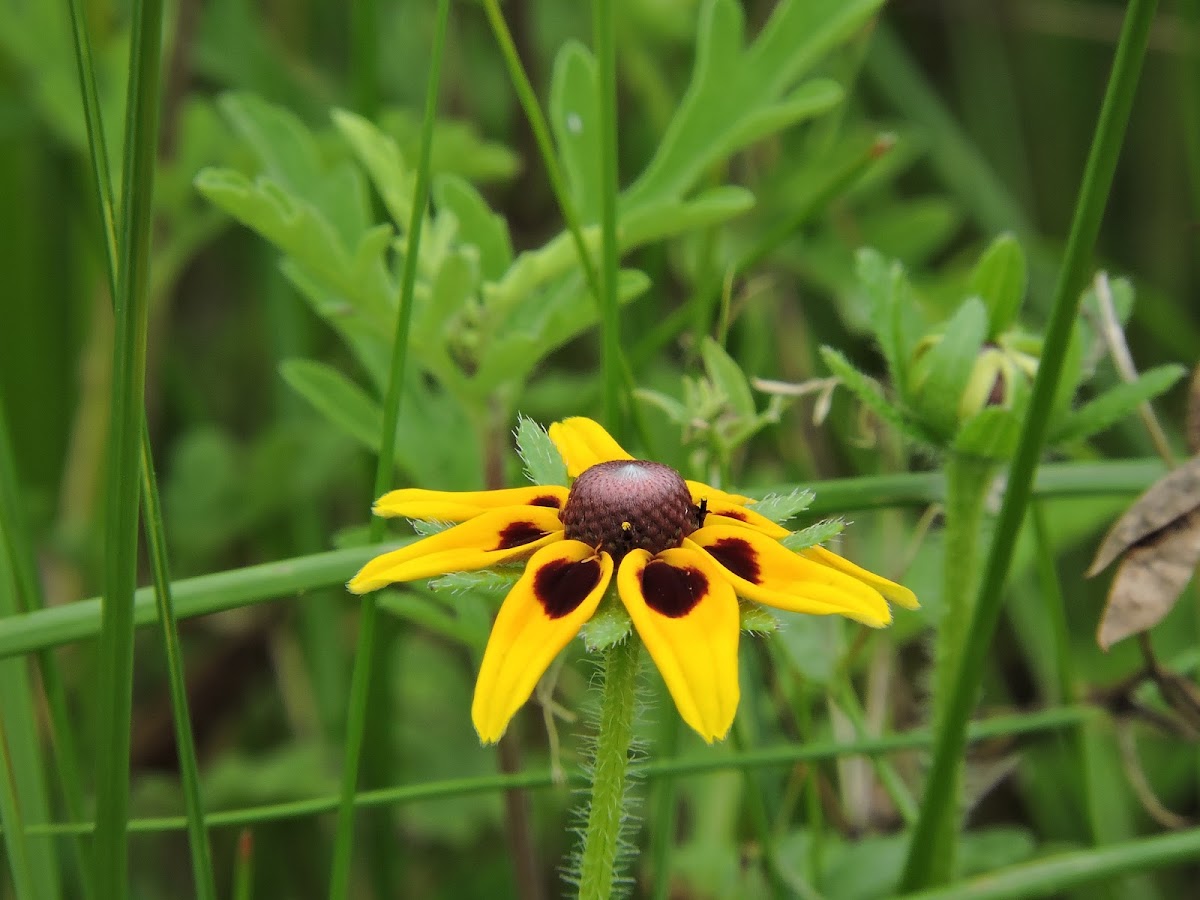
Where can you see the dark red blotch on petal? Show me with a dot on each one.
(561, 585)
(738, 557)
(547, 500)
(519, 533)
(734, 514)
(671, 590)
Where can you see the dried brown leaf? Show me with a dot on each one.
(1192, 427)
(1150, 579)
(1171, 497)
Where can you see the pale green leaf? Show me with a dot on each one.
(543, 463)
(1115, 404)
(727, 376)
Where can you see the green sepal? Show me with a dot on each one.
(755, 619)
(817, 533)
(543, 463)
(991, 433)
(781, 507)
(999, 280)
(941, 373)
(609, 626)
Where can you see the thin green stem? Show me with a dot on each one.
(17, 700)
(603, 27)
(360, 684)
(759, 817)
(1052, 602)
(789, 754)
(897, 790)
(663, 819)
(607, 811)
(115, 677)
(1054, 876)
(243, 866)
(925, 864)
(189, 769)
(19, 862)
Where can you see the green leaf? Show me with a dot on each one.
(543, 463)
(337, 398)
(355, 269)
(727, 376)
(1115, 404)
(544, 321)
(1000, 279)
(379, 155)
(991, 433)
(890, 304)
(871, 395)
(289, 154)
(675, 411)
(667, 218)
(478, 226)
(734, 94)
(781, 507)
(574, 119)
(940, 375)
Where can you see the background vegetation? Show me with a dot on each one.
(263, 290)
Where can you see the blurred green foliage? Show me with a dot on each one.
(798, 176)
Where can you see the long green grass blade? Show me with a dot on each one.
(115, 676)
(931, 849)
(541, 134)
(364, 661)
(1048, 720)
(201, 853)
(20, 591)
(603, 28)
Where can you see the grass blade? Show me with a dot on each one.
(931, 851)
(603, 27)
(360, 684)
(201, 853)
(115, 676)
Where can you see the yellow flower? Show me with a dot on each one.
(683, 553)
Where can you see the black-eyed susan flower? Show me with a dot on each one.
(683, 553)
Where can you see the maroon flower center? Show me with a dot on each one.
(627, 504)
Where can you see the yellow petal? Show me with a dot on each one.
(561, 587)
(686, 614)
(735, 514)
(701, 491)
(765, 571)
(583, 443)
(486, 540)
(897, 593)
(458, 506)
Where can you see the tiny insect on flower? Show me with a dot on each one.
(683, 552)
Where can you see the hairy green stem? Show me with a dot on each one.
(967, 483)
(606, 812)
